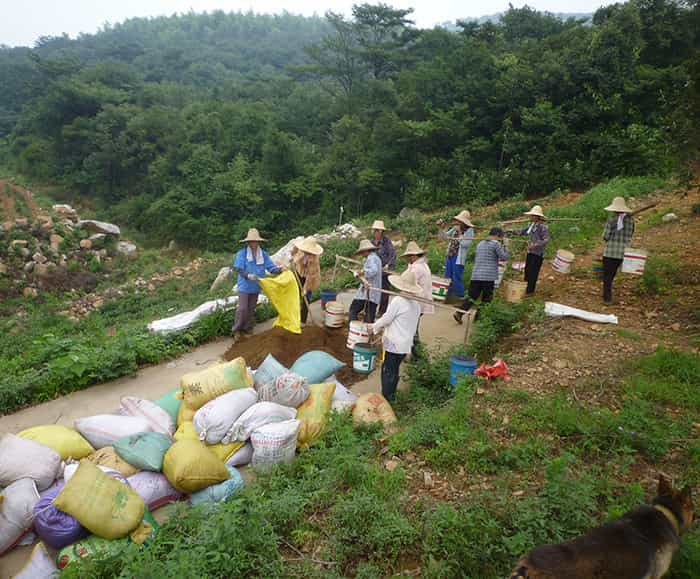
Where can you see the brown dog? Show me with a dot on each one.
(638, 545)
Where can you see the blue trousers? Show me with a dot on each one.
(454, 272)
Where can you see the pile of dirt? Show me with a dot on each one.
(287, 347)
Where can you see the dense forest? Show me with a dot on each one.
(195, 126)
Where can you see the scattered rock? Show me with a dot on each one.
(55, 240)
(172, 246)
(66, 211)
(98, 240)
(3, 268)
(676, 327)
(99, 227)
(29, 292)
(85, 244)
(669, 217)
(29, 267)
(21, 242)
(39, 258)
(127, 248)
(41, 269)
(560, 364)
(22, 222)
(428, 481)
(391, 465)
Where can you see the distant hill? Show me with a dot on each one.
(587, 17)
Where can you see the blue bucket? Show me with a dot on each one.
(460, 365)
(327, 296)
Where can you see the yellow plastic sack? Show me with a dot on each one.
(185, 414)
(65, 441)
(190, 466)
(373, 407)
(103, 505)
(109, 458)
(283, 293)
(187, 431)
(313, 413)
(198, 388)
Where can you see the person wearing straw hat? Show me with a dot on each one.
(538, 234)
(307, 265)
(387, 254)
(460, 238)
(251, 263)
(419, 266)
(485, 272)
(400, 323)
(368, 295)
(618, 232)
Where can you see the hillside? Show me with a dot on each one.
(194, 127)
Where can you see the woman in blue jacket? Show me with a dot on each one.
(251, 263)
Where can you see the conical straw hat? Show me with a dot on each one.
(464, 217)
(413, 249)
(365, 245)
(253, 235)
(619, 205)
(406, 282)
(536, 210)
(309, 245)
(378, 224)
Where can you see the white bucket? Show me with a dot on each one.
(501, 273)
(335, 315)
(440, 287)
(562, 261)
(634, 262)
(357, 334)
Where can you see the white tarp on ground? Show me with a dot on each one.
(186, 319)
(558, 310)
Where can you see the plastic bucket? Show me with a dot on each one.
(501, 273)
(327, 296)
(364, 357)
(634, 262)
(562, 261)
(357, 334)
(597, 269)
(335, 315)
(515, 291)
(440, 287)
(460, 365)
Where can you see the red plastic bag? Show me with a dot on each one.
(499, 369)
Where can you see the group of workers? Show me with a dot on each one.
(399, 318)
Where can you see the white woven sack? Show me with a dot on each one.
(213, 420)
(288, 389)
(242, 456)
(154, 489)
(343, 399)
(274, 444)
(104, 429)
(24, 458)
(257, 415)
(41, 565)
(159, 419)
(16, 511)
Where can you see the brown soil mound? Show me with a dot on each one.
(287, 347)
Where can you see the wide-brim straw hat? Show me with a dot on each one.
(309, 245)
(619, 205)
(378, 224)
(536, 210)
(253, 235)
(365, 245)
(464, 217)
(406, 282)
(413, 249)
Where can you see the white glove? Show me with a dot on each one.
(253, 277)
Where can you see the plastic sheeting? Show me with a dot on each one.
(186, 319)
(558, 310)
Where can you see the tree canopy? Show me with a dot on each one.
(194, 127)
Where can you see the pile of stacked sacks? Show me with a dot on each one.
(90, 490)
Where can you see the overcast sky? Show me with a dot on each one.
(22, 22)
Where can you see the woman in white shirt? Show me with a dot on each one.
(419, 266)
(399, 322)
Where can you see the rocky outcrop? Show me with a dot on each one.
(99, 227)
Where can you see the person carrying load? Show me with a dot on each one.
(387, 255)
(618, 232)
(307, 266)
(368, 295)
(418, 265)
(538, 234)
(460, 238)
(250, 263)
(400, 323)
(488, 253)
